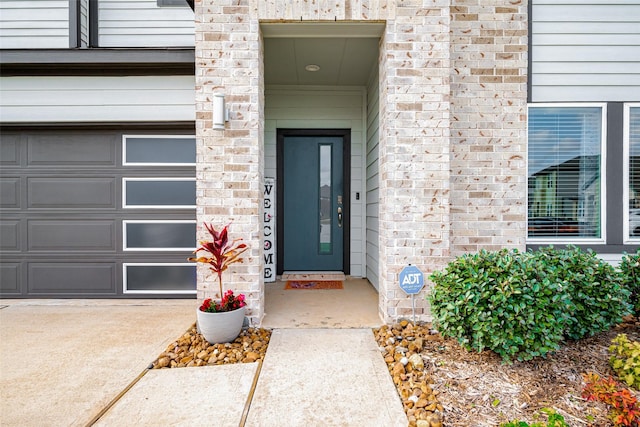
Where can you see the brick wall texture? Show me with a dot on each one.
(452, 136)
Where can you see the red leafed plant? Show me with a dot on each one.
(222, 252)
(624, 405)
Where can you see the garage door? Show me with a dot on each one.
(96, 214)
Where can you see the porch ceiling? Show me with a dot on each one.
(342, 61)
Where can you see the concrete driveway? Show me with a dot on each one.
(62, 361)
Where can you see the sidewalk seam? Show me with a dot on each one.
(117, 398)
(247, 405)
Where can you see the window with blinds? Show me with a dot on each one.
(633, 170)
(565, 172)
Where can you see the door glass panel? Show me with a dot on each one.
(325, 200)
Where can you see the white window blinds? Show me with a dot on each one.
(564, 172)
(634, 172)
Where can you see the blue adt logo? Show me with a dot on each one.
(411, 279)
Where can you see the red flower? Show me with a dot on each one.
(229, 302)
(205, 305)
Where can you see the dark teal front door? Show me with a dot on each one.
(313, 203)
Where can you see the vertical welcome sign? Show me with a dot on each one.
(269, 230)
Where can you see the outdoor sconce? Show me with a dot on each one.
(220, 112)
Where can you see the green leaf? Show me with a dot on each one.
(629, 379)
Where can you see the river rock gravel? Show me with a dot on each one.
(191, 349)
(401, 345)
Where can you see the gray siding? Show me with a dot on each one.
(372, 197)
(585, 50)
(34, 24)
(141, 23)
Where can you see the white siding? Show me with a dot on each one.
(372, 198)
(585, 50)
(323, 107)
(31, 24)
(97, 99)
(141, 23)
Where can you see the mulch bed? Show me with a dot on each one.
(478, 389)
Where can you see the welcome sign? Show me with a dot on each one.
(269, 231)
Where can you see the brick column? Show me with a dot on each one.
(488, 125)
(230, 162)
(414, 149)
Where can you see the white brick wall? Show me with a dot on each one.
(414, 149)
(488, 126)
(452, 123)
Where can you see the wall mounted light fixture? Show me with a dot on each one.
(220, 112)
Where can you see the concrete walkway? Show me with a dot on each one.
(62, 363)
(325, 377)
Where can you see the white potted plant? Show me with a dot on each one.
(221, 320)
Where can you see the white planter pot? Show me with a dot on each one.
(220, 327)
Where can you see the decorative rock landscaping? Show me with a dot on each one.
(401, 345)
(436, 378)
(191, 349)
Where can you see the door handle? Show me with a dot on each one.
(340, 216)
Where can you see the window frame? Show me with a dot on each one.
(159, 178)
(626, 144)
(548, 240)
(126, 222)
(149, 136)
(126, 265)
(172, 3)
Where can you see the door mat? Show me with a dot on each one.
(311, 276)
(313, 284)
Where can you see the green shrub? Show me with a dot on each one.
(503, 301)
(522, 304)
(630, 273)
(599, 300)
(554, 420)
(625, 360)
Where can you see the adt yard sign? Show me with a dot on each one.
(411, 279)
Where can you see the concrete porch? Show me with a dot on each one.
(355, 306)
